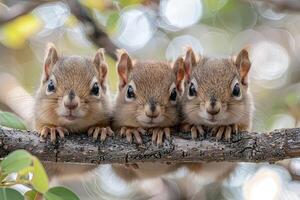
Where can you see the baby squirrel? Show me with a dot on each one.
(149, 93)
(216, 95)
(73, 96)
(216, 98)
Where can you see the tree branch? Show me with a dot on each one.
(289, 5)
(244, 147)
(93, 31)
(17, 10)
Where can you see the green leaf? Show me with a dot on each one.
(60, 193)
(124, 3)
(40, 180)
(10, 194)
(31, 195)
(15, 161)
(112, 22)
(11, 120)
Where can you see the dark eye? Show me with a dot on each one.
(95, 89)
(130, 92)
(173, 95)
(236, 91)
(192, 90)
(50, 87)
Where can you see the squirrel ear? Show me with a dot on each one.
(243, 65)
(101, 66)
(178, 69)
(124, 67)
(50, 59)
(189, 62)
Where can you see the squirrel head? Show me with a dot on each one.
(73, 88)
(216, 90)
(149, 91)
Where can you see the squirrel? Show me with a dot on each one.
(216, 98)
(217, 95)
(73, 96)
(149, 93)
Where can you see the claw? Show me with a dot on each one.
(158, 135)
(228, 132)
(52, 131)
(97, 131)
(130, 132)
(103, 134)
(167, 132)
(220, 133)
(196, 130)
(137, 136)
(128, 135)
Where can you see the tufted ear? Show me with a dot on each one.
(178, 69)
(101, 66)
(124, 67)
(243, 65)
(189, 62)
(50, 59)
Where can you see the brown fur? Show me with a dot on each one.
(78, 74)
(153, 81)
(72, 73)
(214, 78)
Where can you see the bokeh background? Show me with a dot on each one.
(153, 29)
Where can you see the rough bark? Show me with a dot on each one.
(244, 147)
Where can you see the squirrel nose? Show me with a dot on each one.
(213, 111)
(152, 110)
(213, 107)
(151, 114)
(71, 105)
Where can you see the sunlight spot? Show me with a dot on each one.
(177, 46)
(264, 185)
(180, 13)
(269, 61)
(135, 29)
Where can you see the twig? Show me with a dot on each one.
(93, 31)
(17, 10)
(244, 147)
(280, 5)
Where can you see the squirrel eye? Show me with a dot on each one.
(50, 87)
(95, 89)
(173, 95)
(236, 91)
(192, 90)
(130, 92)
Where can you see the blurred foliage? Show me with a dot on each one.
(11, 120)
(16, 33)
(20, 167)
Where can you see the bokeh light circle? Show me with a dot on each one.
(269, 61)
(181, 13)
(135, 30)
(178, 46)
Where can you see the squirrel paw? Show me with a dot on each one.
(196, 130)
(158, 133)
(129, 132)
(53, 131)
(97, 131)
(219, 131)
